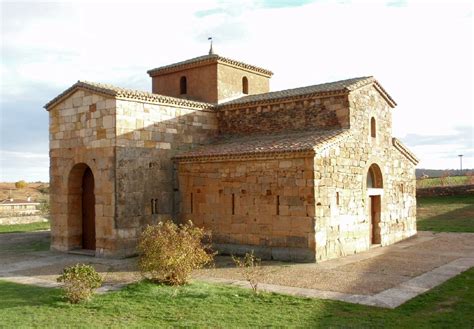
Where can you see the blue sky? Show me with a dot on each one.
(421, 52)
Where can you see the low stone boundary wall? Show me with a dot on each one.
(446, 190)
(21, 220)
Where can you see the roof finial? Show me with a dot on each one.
(211, 51)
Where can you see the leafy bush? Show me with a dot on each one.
(44, 208)
(169, 252)
(80, 281)
(21, 184)
(250, 269)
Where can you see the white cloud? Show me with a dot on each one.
(420, 51)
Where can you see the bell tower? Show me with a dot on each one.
(210, 78)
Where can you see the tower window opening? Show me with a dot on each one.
(183, 86)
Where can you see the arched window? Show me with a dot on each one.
(374, 177)
(245, 85)
(372, 127)
(183, 86)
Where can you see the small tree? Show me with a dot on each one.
(169, 252)
(250, 268)
(80, 281)
(21, 184)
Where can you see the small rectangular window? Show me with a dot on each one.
(278, 205)
(233, 204)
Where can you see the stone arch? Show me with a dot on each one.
(81, 207)
(374, 176)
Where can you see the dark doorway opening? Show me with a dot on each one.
(88, 210)
(375, 209)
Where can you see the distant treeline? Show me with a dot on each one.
(440, 172)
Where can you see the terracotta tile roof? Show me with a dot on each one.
(214, 58)
(295, 141)
(321, 89)
(124, 93)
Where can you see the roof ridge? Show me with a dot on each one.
(126, 93)
(331, 87)
(209, 58)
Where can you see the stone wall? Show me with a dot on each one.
(82, 134)
(201, 83)
(230, 82)
(128, 145)
(324, 113)
(445, 191)
(266, 205)
(21, 220)
(148, 135)
(342, 197)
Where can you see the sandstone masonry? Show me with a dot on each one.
(305, 174)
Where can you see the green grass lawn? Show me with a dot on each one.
(446, 214)
(21, 228)
(144, 304)
(443, 181)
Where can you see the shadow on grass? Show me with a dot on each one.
(15, 295)
(446, 214)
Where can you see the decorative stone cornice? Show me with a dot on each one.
(126, 94)
(331, 89)
(404, 150)
(205, 60)
(247, 156)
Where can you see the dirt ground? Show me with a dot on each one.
(37, 191)
(366, 273)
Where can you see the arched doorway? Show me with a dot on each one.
(81, 208)
(374, 191)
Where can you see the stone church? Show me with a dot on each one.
(304, 174)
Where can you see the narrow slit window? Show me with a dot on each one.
(233, 204)
(192, 205)
(278, 205)
(337, 198)
(373, 129)
(245, 85)
(183, 86)
(152, 206)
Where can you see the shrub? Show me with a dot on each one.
(21, 184)
(44, 208)
(169, 252)
(250, 269)
(80, 281)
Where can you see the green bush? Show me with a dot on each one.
(169, 252)
(21, 184)
(80, 281)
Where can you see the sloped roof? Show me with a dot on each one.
(260, 144)
(213, 58)
(123, 93)
(405, 151)
(320, 89)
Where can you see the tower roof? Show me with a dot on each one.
(207, 59)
